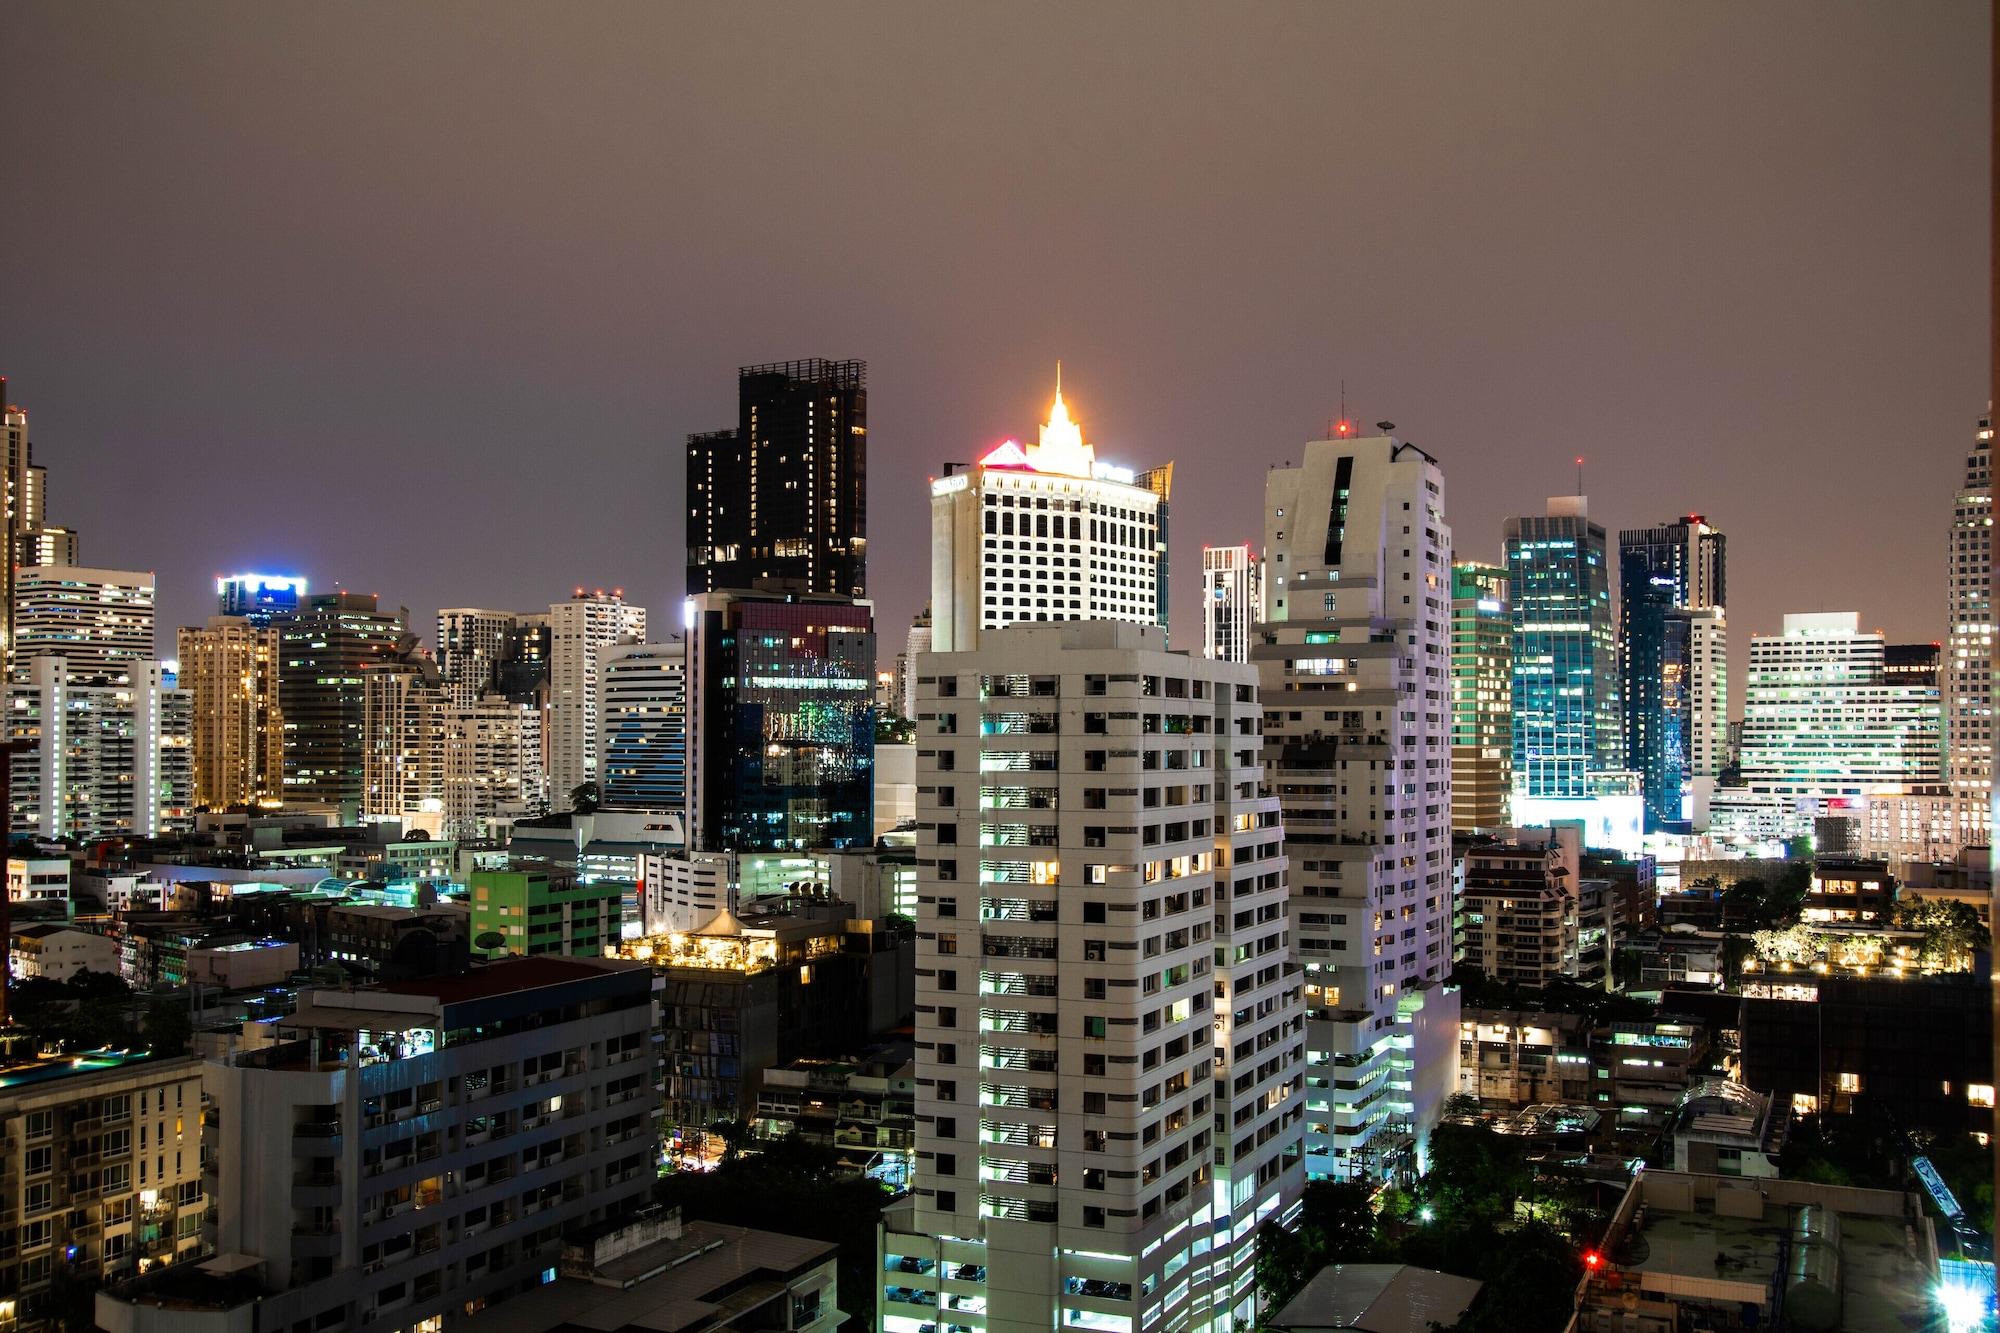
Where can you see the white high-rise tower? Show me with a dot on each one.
(1968, 653)
(1232, 601)
(581, 631)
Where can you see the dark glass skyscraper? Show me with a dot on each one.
(1565, 689)
(1666, 574)
(780, 723)
(324, 647)
(779, 504)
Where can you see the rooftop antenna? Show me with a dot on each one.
(1579, 474)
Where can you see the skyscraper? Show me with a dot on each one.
(259, 598)
(1356, 682)
(1667, 573)
(324, 647)
(1822, 717)
(1232, 600)
(471, 644)
(14, 465)
(581, 631)
(99, 621)
(645, 727)
(780, 503)
(1044, 532)
(403, 738)
(1108, 1052)
(1970, 643)
(780, 723)
(1482, 659)
(1565, 689)
(230, 670)
(492, 764)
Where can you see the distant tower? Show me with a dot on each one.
(1672, 591)
(1565, 687)
(1232, 600)
(582, 633)
(259, 598)
(1482, 709)
(1969, 641)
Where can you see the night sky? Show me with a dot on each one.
(422, 301)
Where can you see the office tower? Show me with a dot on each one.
(1565, 694)
(525, 651)
(581, 630)
(14, 465)
(394, 1156)
(89, 751)
(492, 765)
(1822, 719)
(1108, 1052)
(230, 670)
(105, 1177)
(260, 598)
(1044, 532)
(917, 642)
(324, 647)
(781, 726)
(780, 503)
(1232, 600)
(1970, 642)
(1482, 697)
(645, 727)
(100, 621)
(1356, 680)
(403, 738)
(1670, 576)
(471, 645)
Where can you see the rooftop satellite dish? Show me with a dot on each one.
(1385, 426)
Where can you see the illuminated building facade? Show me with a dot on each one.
(1821, 718)
(472, 643)
(1045, 532)
(780, 722)
(409, 1154)
(403, 730)
(104, 1177)
(582, 632)
(541, 907)
(1969, 643)
(1108, 1021)
(1520, 895)
(492, 764)
(1482, 738)
(15, 477)
(99, 621)
(1356, 680)
(260, 598)
(1232, 601)
(229, 669)
(1565, 704)
(324, 647)
(645, 727)
(1673, 663)
(780, 503)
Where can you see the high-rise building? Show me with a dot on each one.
(175, 747)
(525, 652)
(90, 750)
(1821, 718)
(324, 648)
(394, 1156)
(1482, 698)
(1042, 532)
(403, 706)
(230, 670)
(1520, 896)
(1565, 690)
(645, 727)
(492, 764)
(88, 1198)
(14, 466)
(780, 503)
(1108, 1044)
(1671, 577)
(260, 598)
(1356, 680)
(100, 621)
(582, 630)
(1232, 601)
(472, 642)
(1970, 642)
(780, 723)
(915, 644)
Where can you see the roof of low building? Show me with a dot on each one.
(1380, 1298)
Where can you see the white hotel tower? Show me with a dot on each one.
(1046, 532)
(1356, 663)
(1108, 1018)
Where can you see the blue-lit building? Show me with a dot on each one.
(1565, 676)
(781, 722)
(642, 704)
(1672, 671)
(259, 597)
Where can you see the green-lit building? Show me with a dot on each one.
(539, 907)
(1482, 738)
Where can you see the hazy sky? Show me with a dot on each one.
(423, 299)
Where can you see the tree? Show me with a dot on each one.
(167, 1029)
(1475, 1174)
(1531, 1283)
(1952, 931)
(583, 798)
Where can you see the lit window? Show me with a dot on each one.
(1979, 1094)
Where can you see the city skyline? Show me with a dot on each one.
(1603, 305)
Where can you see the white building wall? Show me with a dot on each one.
(580, 631)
